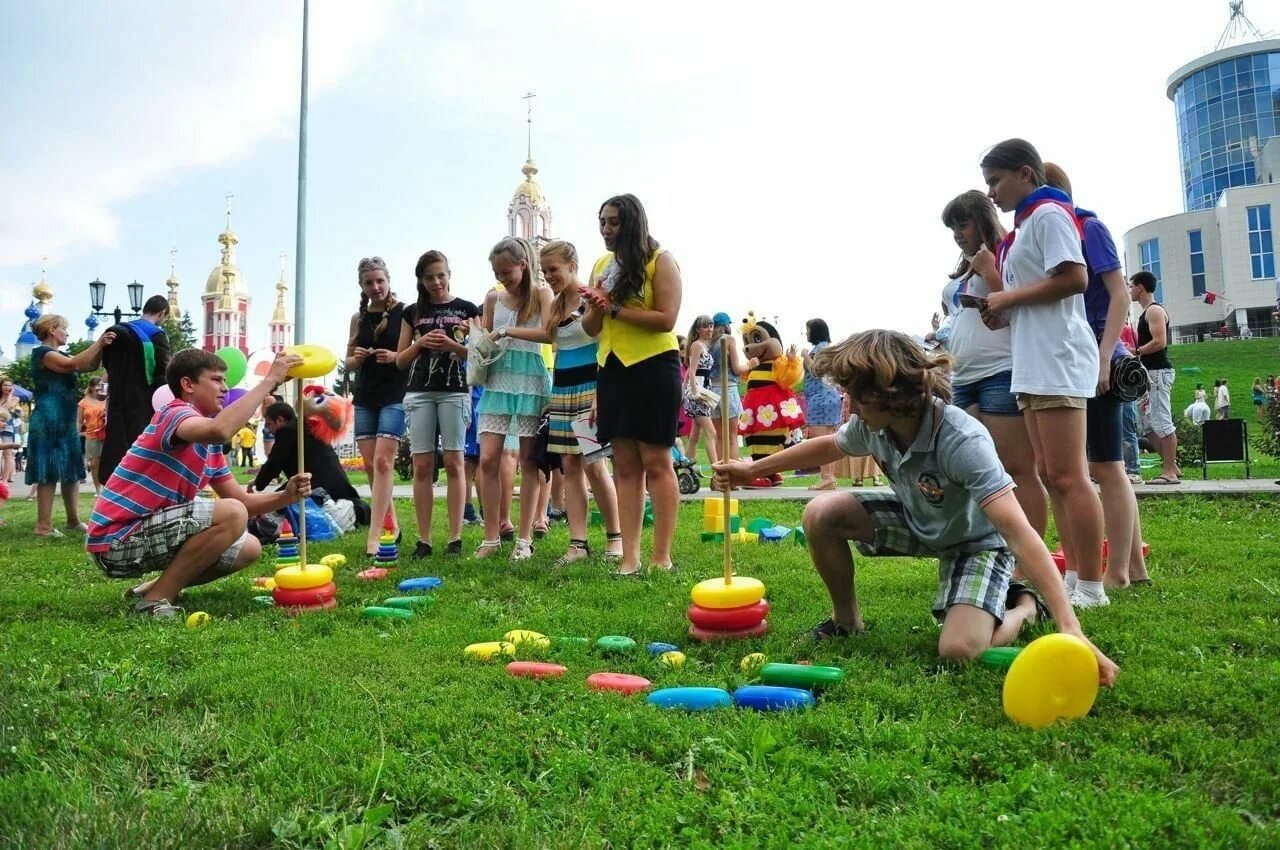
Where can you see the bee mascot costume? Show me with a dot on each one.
(770, 409)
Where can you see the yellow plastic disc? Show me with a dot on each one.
(714, 593)
(672, 659)
(751, 664)
(488, 650)
(316, 361)
(535, 639)
(297, 578)
(1054, 678)
(198, 619)
(334, 561)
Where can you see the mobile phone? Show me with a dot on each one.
(969, 300)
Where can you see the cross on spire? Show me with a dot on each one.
(528, 100)
(230, 195)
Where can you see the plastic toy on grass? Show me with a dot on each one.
(806, 676)
(623, 683)
(674, 659)
(488, 650)
(771, 698)
(336, 561)
(1054, 678)
(536, 669)
(563, 641)
(999, 657)
(372, 574)
(410, 602)
(265, 582)
(706, 635)
(382, 612)
(751, 664)
(388, 554)
(728, 619)
(615, 644)
(657, 647)
(420, 583)
(713, 513)
(524, 637)
(198, 619)
(294, 597)
(690, 699)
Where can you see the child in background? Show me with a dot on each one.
(1259, 399)
(91, 422)
(247, 437)
(951, 499)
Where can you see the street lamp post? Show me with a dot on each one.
(98, 295)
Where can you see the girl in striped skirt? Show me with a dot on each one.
(573, 394)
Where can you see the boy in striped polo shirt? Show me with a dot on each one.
(148, 517)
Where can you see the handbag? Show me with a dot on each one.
(482, 352)
(1129, 378)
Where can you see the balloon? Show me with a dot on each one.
(235, 395)
(162, 396)
(1055, 677)
(236, 362)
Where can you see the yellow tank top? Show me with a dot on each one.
(629, 343)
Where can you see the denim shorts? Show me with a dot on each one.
(991, 394)
(437, 414)
(1104, 429)
(386, 421)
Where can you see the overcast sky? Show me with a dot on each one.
(794, 158)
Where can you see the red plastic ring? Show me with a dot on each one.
(698, 633)
(287, 598)
(725, 619)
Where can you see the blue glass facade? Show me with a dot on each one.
(1226, 112)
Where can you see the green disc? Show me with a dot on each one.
(615, 643)
(378, 613)
(409, 602)
(800, 675)
(999, 657)
(570, 641)
(264, 600)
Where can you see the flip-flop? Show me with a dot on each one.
(1164, 479)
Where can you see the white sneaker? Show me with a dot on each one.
(1080, 599)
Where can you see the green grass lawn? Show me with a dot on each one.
(261, 730)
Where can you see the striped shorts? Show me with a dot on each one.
(980, 579)
(153, 545)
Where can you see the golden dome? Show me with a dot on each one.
(278, 316)
(529, 188)
(213, 285)
(42, 291)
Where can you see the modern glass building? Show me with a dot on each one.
(1227, 105)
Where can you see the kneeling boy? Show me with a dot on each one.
(149, 518)
(951, 499)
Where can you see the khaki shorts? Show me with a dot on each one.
(92, 448)
(1031, 401)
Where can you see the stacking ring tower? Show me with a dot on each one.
(302, 586)
(732, 606)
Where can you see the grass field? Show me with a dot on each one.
(328, 730)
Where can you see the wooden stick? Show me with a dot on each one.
(302, 500)
(725, 366)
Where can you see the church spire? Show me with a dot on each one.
(172, 283)
(528, 214)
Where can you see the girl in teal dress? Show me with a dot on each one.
(53, 443)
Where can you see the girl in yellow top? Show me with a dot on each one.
(633, 299)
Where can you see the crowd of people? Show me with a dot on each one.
(1007, 411)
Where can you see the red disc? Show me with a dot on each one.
(623, 683)
(299, 609)
(311, 596)
(699, 633)
(536, 669)
(372, 574)
(722, 619)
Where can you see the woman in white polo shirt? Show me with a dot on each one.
(1039, 289)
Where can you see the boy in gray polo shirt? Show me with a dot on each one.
(950, 499)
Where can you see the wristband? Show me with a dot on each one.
(614, 310)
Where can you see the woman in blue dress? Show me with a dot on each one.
(53, 443)
(822, 400)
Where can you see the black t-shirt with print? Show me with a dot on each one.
(440, 371)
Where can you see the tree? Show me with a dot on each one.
(181, 334)
(19, 371)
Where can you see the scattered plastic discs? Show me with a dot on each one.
(265, 582)
(298, 578)
(615, 643)
(536, 669)
(421, 583)
(690, 699)
(999, 657)
(623, 683)
(523, 636)
(807, 676)
(372, 574)
(771, 698)
(673, 659)
(409, 602)
(264, 600)
(751, 664)
(378, 612)
(488, 650)
(714, 593)
(700, 634)
(335, 561)
(198, 619)
(1054, 678)
(658, 647)
(728, 619)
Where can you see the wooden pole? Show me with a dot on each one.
(302, 500)
(725, 367)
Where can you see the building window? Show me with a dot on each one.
(1196, 242)
(1262, 258)
(1150, 253)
